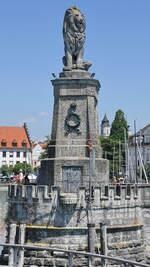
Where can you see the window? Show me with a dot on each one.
(24, 143)
(11, 154)
(4, 154)
(17, 161)
(24, 154)
(14, 143)
(11, 163)
(18, 154)
(3, 143)
(3, 163)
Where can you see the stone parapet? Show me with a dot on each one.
(100, 193)
(49, 206)
(59, 219)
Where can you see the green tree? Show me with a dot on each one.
(111, 152)
(119, 127)
(26, 168)
(47, 142)
(36, 169)
(10, 169)
(113, 146)
(4, 170)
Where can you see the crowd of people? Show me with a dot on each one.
(118, 180)
(23, 179)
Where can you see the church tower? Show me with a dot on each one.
(105, 127)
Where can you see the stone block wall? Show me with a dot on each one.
(3, 212)
(145, 196)
(59, 219)
(49, 206)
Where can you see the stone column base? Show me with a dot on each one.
(71, 173)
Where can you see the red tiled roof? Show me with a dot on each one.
(11, 133)
(41, 144)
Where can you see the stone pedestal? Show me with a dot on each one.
(75, 120)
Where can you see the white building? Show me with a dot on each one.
(143, 148)
(37, 150)
(105, 127)
(15, 145)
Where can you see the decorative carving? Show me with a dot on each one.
(72, 121)
(74, 38)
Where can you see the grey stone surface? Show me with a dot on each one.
(62, 220)
(3, 212)
(75, 74)
(29, 253)
(69, 147)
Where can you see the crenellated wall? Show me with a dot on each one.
(43, 205)
(60, 219)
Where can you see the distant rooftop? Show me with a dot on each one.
(12, 136)
(105, 121)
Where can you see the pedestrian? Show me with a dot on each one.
(20, 177)
(115, 180)
(26, 180)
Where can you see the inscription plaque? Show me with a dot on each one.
(71, 179)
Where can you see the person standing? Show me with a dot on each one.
(26, 180)
(20, 177)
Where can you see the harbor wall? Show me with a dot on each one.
(3, 212)
(59, 220)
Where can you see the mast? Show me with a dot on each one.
(142, 163)
(135, 149)
(140, 160)
(119, 158)
(126, 155)
(114, 161)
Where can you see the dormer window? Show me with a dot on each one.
(24, 143)
(14, 143)
(3, 143)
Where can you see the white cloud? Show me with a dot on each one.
(44, 114)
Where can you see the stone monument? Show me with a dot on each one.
(75, 116)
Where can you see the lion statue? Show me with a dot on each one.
(74, 37)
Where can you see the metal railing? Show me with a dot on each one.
(71, 254)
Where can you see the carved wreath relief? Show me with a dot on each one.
(72, 121)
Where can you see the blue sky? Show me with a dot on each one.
(31, 48)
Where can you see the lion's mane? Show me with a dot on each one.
(74, 31)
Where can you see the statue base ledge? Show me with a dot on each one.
(75, 74)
